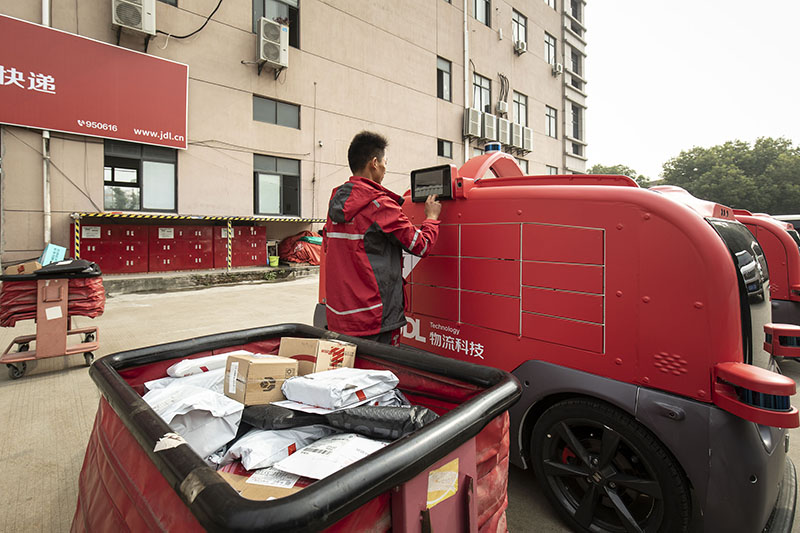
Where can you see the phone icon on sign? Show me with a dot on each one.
(81, 123)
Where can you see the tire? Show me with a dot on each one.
(605, 473)
(17, 371)
(88, 357)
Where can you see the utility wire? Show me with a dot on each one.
(195, 31)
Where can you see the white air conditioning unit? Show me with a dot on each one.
(502, 107)
(516, 135)
(472, 122)
(520, 47)
(558, 69)
(273, 43)
(527, 139)
(489, 130)
(504, 131)
(136, 15)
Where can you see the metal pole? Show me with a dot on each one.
(77, 239)
(46, 152)
(466, 75)
(230, 236)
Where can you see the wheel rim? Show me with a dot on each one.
(601, 478)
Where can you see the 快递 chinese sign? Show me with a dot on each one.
(54, 80)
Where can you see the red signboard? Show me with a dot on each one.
(54, 80)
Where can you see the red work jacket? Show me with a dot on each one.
(365, 235)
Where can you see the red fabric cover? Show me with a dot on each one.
(294, 250)
(120, 489)
(361, 212)
(86, 297)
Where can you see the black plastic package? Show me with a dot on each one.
(381, 422)
(275, 417)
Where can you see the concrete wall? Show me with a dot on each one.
(360, 65)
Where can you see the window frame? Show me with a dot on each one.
(478, 88)
(551, 122)
(284, 176)
(519, 102)
(120, 161)
(576, 121)
(487, 13)
(550, 48)
(277, 104)
(440, 145)
(517, 24)
(440, 79)
(551, 3)
(551, 170)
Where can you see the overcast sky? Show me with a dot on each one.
(666, 75)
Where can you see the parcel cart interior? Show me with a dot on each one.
(125, 485)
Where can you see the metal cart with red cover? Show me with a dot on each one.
(51, 296)
(125, 485)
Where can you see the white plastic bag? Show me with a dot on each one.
(211, 380)
(260, 448)
(329, 455)
(335, 389)
(187, 367)
(206, 419)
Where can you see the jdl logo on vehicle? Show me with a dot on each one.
(413, 330)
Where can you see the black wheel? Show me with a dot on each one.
(24, 347)
(88, 357)
(16, 371)
(89, 337)
(604, 472)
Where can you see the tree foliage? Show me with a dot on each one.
(764, 177)
(642, 180)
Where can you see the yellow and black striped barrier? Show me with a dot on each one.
(229, 247)
(154, 216)
(77, 254)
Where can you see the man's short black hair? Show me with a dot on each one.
(364, 147)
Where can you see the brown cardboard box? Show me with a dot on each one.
(23, 268)
(257, 380)
(318, 355)
(253, 491)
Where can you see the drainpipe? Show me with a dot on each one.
(46, 150)
(466, 75)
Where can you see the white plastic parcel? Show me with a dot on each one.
(335, 389)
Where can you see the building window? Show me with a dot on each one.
(576, 60)
(551, 122)
(443, 83)
(551, 3)
(577, 149)
(275, 112)
(520, 103)
(552, 171)
(139, 177)
(575, 9)
(481, 93)
(282, 11)
(277, 185)
(550, 48)
(519, 26)
(483, 11)
(577, 122)
(444, 148)
(170, 2)
(523, 164)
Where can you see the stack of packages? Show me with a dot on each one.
(18, 299)
(273, 425)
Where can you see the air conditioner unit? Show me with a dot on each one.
(472, 122)
(520, 47)
(502, 107)
(504, 131)
(527, 139)
(558, 68)
(273, 43)
(489, 130)
(516, 135)
(137, 15)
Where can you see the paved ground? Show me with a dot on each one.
(47, 415)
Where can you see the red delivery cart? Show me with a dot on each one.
(51, 296)
(125, 485)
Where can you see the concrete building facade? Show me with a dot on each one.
(273, 143)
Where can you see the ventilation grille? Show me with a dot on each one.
(129, 13)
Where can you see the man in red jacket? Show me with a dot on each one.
(365, 235)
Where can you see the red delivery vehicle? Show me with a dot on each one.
(634, 320)
(781, 245)
(138, 475)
